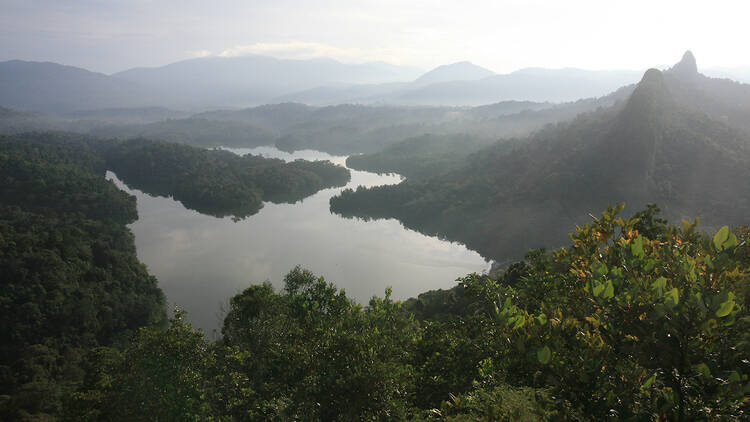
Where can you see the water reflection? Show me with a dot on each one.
(201, 261)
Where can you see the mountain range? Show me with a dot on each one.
(681, 140)
(236, 82)
(203, 83)
(464, 84)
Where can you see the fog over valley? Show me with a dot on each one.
(327, 211)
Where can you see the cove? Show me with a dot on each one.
(202, 261)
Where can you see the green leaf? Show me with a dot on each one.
(649, 381)
(709, 263)
(598, 289)
(660, 284)
(541, 319)
(544, 355)
(725, 308)
(731, 242)
(609, 291)
(600, 269)
(702, 369)
(672, 297)
(518, 322)
(720, 237)
(650, 265)
(637, 247)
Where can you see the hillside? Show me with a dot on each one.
(461, 71)
(216, 182)
(464, 84)
(51, 87)
(658, 147)
(253, 80)
(196, 84)
(420, 157)
(71, 281)
(349, 129)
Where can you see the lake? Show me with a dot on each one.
(201, 261)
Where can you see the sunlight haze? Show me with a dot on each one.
(500, 35)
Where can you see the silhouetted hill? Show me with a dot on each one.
(349, 128)
(253, 80)
(127, 115)
(461, 71)
(51, 87)
(536, 85)
(191, 84)
(656, 147)
(555, 85)
(719, 99)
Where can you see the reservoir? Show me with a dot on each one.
(202, 261)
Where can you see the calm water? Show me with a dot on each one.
(202, 261)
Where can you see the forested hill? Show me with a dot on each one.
(71, 281)
(635, 320)
(420, 157)
(659, 146)
(217, 182)
(69, 274)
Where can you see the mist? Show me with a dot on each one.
(386, 211)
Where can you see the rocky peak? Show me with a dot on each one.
(685, 68)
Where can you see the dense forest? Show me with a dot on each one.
(420, 157)
(634, 320)
(658, 146)
(191, 131)
(340, 129)
(70, 278)
(217, 182)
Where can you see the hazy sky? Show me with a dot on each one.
(502, 35)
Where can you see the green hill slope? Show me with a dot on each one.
(660, 146)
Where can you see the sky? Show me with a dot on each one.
(502, 35)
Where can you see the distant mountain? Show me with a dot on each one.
(253, 80)
(124, 115)
(461, 71)
(437, 89)
(677, 141)
(348, 129)
(51, 87)
(543, 85)
(345, 94)
(739, 74)
(191, 84)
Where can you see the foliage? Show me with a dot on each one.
(163, 375)
(192, 131)
(665, 144)
(419, 157)
(216, 182)
(627, 326)
(618, 325)
(312, 354)
(68, 269)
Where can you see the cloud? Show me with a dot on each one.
(199, 53)
(299, 50)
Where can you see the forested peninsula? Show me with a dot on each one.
(70, 275)
(217, 182)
